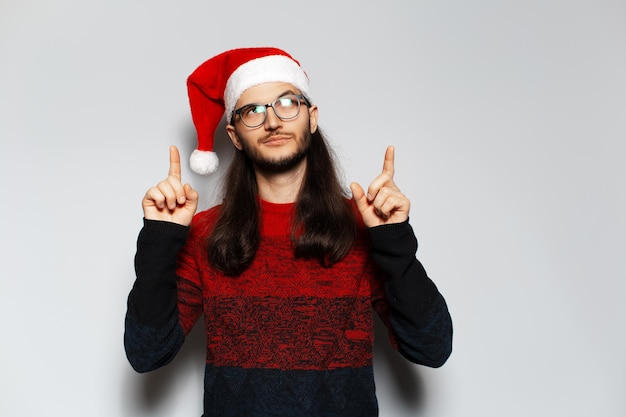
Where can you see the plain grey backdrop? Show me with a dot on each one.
(509, 120)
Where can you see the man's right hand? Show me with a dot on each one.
(170, 200)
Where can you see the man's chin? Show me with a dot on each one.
(277, 165)
(280, 163)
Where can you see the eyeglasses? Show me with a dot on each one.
(285, 107)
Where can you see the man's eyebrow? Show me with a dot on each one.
(286, 92)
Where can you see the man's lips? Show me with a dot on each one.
(275, 139)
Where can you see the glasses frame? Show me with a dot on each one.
(300, 98)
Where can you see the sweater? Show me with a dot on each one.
(287, 337)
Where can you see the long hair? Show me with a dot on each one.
(324, 227)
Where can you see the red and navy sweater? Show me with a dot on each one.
(287, 337)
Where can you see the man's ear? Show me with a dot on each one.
(313, 118)
(234, 138)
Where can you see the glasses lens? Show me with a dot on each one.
(253, 115)
(287, 107)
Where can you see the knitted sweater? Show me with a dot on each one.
(287, 337)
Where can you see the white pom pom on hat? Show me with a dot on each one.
(203, 162)
(216, 85)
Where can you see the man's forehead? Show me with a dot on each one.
(266, 92)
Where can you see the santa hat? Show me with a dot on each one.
(216, 85)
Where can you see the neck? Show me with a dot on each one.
(280, 187)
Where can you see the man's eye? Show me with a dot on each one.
(252, 110)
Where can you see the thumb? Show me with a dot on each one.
(359, 197)
(191, 195)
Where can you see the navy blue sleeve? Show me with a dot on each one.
(152, 334)
(419, 313)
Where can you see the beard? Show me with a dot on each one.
(280, 164)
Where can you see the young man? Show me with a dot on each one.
(287, 270)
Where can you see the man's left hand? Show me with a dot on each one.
(384, 202)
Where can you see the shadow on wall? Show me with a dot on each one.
(396, 378)
(148, 393)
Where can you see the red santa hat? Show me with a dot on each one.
(216, 85)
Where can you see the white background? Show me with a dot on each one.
(509, 120)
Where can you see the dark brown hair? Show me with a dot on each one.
(325, 222)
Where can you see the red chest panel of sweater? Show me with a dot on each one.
(282, 312)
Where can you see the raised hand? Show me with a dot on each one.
(170, 200)
(384, 203)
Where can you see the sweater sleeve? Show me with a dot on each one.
(420, 319)
(153, 334)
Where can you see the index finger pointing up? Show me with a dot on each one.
(174, 162)
(388, 167)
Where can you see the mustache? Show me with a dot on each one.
(275, 133)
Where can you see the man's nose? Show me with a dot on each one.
(272, 121)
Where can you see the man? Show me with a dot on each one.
(286, 271)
